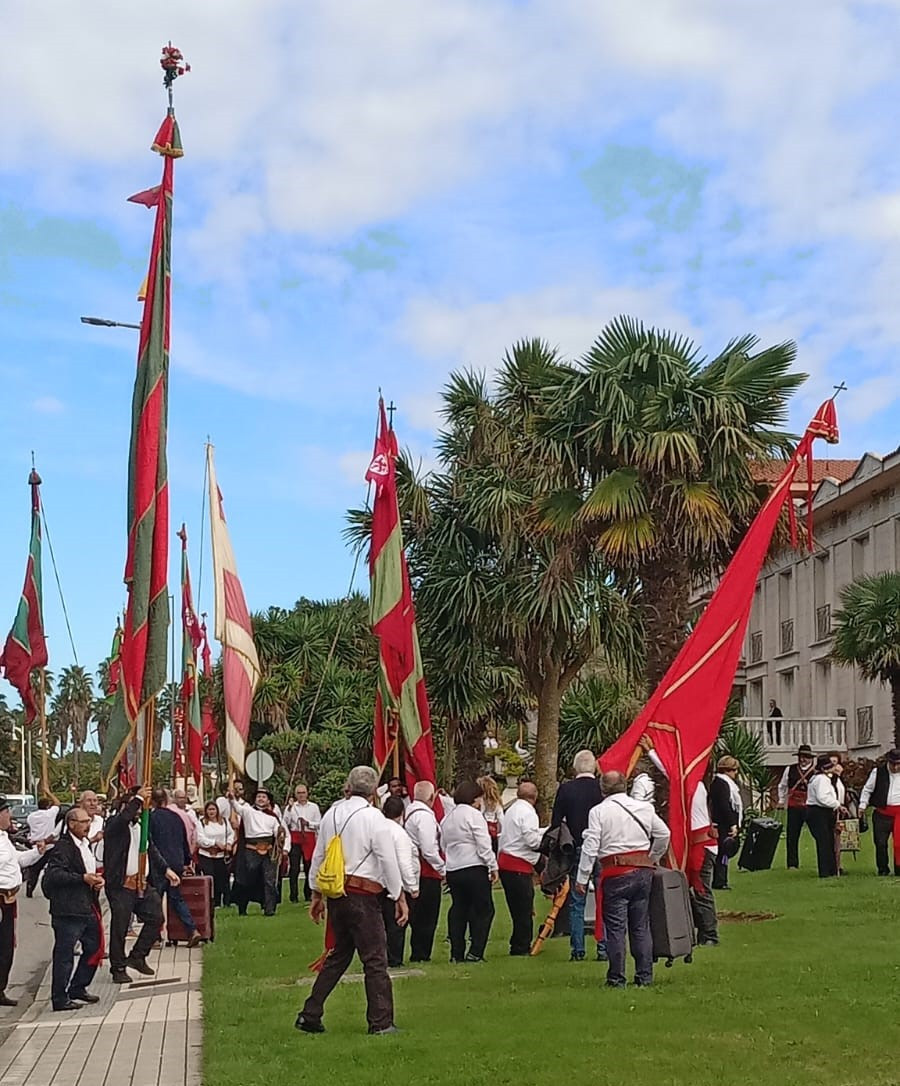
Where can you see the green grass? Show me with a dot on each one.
(810, 997)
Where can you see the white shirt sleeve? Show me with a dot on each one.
(383, 849)
(821, 793)
(868, 789)
(590, 846)
(661, 838)
(408, 858)
(657, 761)
(783, 786)
(482, 841)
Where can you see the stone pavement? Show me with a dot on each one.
(148, 1033)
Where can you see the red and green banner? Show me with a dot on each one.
(210, 731)
(143, 656)
(401, 703)
(684, 713)
(26, 648)
(191, 640)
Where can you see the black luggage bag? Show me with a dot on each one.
(760, 843)
(671, 920)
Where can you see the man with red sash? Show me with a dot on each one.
(792, 789)
(627, 837)
(518, 852)
(882, 791)
(301, 820)
(422, 826)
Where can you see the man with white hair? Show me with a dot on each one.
(422, 827)
(89, 801)
(187, 816)
(573, 803)
(627, 837)
(370, 866)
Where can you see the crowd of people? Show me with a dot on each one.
(391, 855)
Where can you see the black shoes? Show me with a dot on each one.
(139, 965)
(306, 1025)
(68, 1006)
(119, 976)
(5, 1001)
(472, 958)
(83, 997)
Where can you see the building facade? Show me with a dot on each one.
(788, 644)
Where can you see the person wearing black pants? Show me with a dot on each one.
(215, 841)
(882, 793)
(822, 806)
(520, 844)
(471, 871)
(421, 825)
(726, 812)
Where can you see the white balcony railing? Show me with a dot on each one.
(781, 738)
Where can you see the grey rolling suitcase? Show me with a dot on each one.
(671, 920)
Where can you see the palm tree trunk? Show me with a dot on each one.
(666, 609)
(470, 753)
(895, 706)
(76, 750)
(546, 751)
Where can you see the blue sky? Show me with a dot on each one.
(372, 195)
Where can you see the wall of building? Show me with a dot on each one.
(787, 650)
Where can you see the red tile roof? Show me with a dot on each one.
(768, 471)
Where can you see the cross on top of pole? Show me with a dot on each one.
(391, 408)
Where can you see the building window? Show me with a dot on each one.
(786, 694)
(755, 699)
(822, 692)
(823, 622)
(859, 556)
(787, 635)
(784, 596)
(865, 726)
(756, 647)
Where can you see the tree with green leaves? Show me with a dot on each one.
(867, 633)
(660, 444)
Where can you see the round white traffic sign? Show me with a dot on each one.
(259, 766)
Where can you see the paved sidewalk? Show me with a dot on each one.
(148, 1033)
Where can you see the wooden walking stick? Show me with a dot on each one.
(559, 899)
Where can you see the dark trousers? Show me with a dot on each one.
(472, 910)
(821, 822)
(424, 912)
(256, 869)
(882, 832)
(703, 904)
(296, 859)
(32, 874)
(217, 869)
(720, 865)
(796, 820)
(147, 908)
(357, 925)
(626, 909)
(519, 890)
(7, 942)
(68, 931)
(394, 934)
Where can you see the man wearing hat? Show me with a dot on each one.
(726, 809)
(258, 852)
(11, 864)
(822, 805)
(882, 791)
(792, 790)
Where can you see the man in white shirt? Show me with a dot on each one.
(301, 820)
(627, 837)
(43, 829)
(882, 791)
(12, 862)
(517, 853)
(354, 920)
(822, 805)
(258, 860)
(422, 827)
(408, 859)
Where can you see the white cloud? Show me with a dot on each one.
(48, 405)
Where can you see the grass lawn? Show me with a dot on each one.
(809, 997)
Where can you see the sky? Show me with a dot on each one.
(373, 195)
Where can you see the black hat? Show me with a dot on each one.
(804, 748)
(4, 803)
(824, 762)
(264, 792)
(892, 756)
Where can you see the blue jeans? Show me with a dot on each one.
(177, 902)
(576, 913)
(69, 931)
(626, 910)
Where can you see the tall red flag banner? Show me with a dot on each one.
(143, 651)
(684, 713)
(191, 639)
(234, 629)
(210, 731)
(26, 647)
(401, 702)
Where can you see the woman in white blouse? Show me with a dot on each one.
(215, 841)
(471, 871)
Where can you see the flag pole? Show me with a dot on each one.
(42, 716)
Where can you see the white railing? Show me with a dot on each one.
(782, 737)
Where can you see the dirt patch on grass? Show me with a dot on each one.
(746, 918)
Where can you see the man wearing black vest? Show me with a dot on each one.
(882, 791)
(792, 790)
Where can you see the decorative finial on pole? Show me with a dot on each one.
(173, 65)
(391, 408)
(838, 389)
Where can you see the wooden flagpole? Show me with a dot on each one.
(42, 717)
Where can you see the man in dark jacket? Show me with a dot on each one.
(71, 884)
(573, 803)
(726, 812)
(121, 870)
(168, 834)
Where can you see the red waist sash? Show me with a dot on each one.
(514, 863)
(611, 867)
(894, 813)
(426, 871)
(702, 837)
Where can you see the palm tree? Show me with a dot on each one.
(867, 633)
(596, 711)
(662, 444)
(72, 709)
